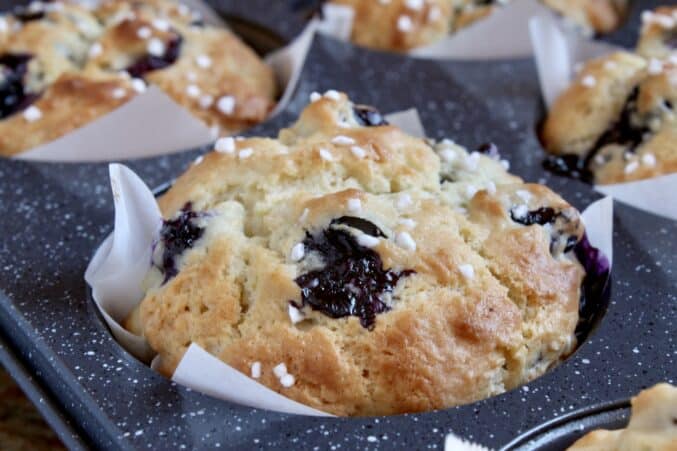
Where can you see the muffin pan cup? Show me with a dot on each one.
(55, 216)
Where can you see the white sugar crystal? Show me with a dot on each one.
(295, 315)
(161, 24)
(144, 33)
(472, 160)
(405, 241)
(470, 191)
(203, 61)
(610, 65)
(198, 160)
(448, 155)
(524, 195)
(225, 145)
(256, 370)
(287, 380)
(205, 101)
(588, 81)
(156, 47)
(358, 151)
(3, 25)
(404, 24)
(403, 201)
(280, 370)
(226, 105)
(354, 205)
(434, 13)
(505, 164)
(192, 91)
(315, 96)
(326, 155)
(32, 113)
(367, 240)
(655, 66)
(416, 5)
(138, 85)
(520, 211)
(467, 270)
(332, 95)
(95, 50)
(342, 140)
(245, 153)
(491, 188)
(631, 167)
(183, 9)
(297, 252)
(648, 159)
(118, 93)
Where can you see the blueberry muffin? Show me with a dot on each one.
(64, 65)
(405, 24)
(658, 36)
(362, 271)
(652, 426)
(616, 122)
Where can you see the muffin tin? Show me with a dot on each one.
(96, 394)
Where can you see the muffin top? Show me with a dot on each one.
(64, 65)
(616, 121)
(402, 25)
(360, 270)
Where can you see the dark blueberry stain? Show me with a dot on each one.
(595, 289)
(368, 116)
(360, 224)
(177, 235)
(623, 132)
(570, 165)
(490, 150)
(543, 216)
(25, 14)
(352, 280)
(148, 63)
(540, 216)
(13, 95)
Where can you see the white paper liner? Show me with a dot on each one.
(153, 124)
(557, 52)
(117, 270)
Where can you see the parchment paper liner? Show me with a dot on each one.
(116, 272)
(557, 52)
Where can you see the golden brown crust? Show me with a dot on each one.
(652, 425)
(491, 303)
(212, 65)
(602, 16)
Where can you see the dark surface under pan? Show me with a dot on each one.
(55, 215)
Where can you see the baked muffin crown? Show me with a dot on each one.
(207, 70)
(357, 267)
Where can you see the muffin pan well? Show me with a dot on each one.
(55, 215)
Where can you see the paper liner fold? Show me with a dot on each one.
(557, 52)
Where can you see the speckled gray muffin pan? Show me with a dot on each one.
(55, 215)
